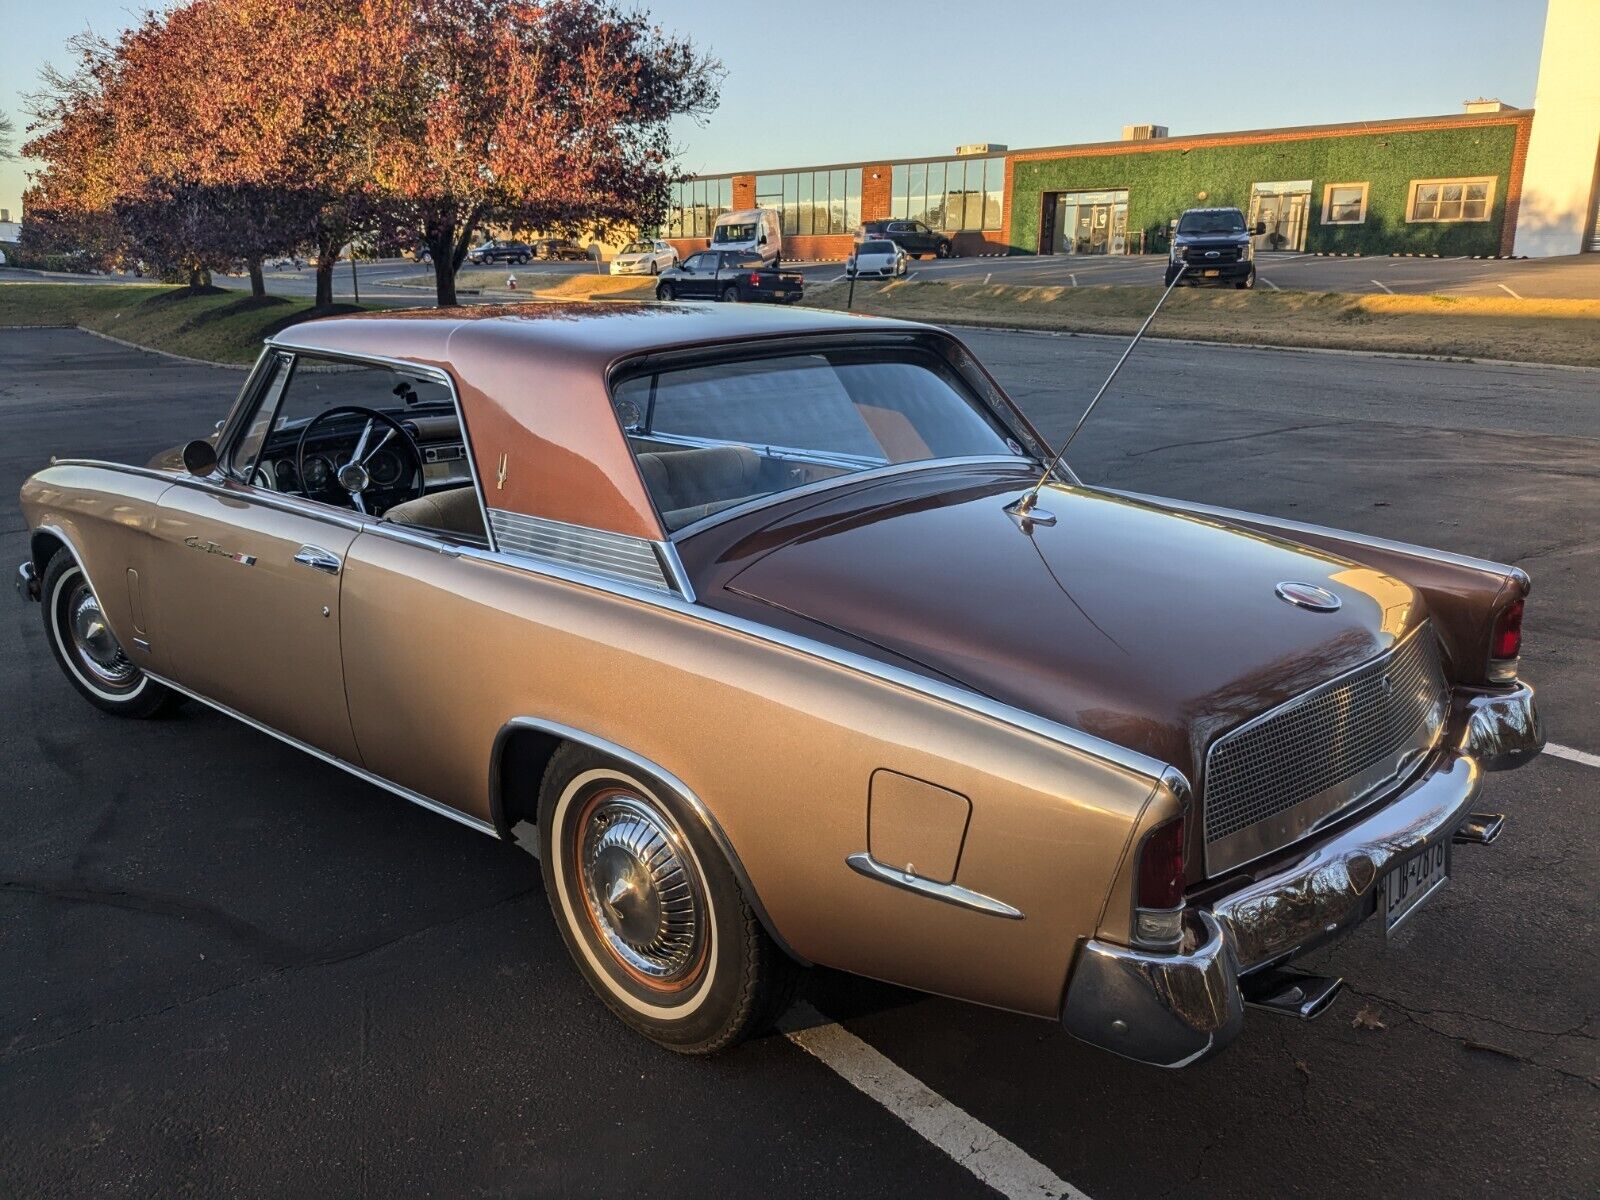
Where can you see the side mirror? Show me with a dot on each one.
(200, 457)
(1261, 228)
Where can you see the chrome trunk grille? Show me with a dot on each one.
(1271, 780)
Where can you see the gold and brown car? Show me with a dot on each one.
(739, 608)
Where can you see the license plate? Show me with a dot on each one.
(1212, 274)
(1408, 885)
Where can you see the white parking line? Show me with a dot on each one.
(1384, 286)
(1269, 283)
(1508, 291)
(1072, 277)
(1571, 755)
(1001, 1164)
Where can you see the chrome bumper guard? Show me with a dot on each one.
(1174, 1009)
(28, 581)
(1500, 729)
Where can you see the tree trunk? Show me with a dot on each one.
(442, 246)
(325, 265)
(258, 282)
(196, 278)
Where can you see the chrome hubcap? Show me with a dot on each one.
(642, 892)
(99, 651)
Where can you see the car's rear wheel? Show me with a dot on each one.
(665, 291)
(943, 251)
(1249, 281)
(87, 651)
(730, 295)
(650, 909)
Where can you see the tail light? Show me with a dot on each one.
(1158, 892)
(1505, 646)
(755, 279)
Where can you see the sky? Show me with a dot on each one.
(829, 81)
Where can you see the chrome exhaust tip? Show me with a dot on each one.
(1290, 993)
(1479, 829)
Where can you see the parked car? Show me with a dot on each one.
(755, 231)
(422, 254)
(559, 249)
(877, 258)
(644, 258)
(500, 250)
(913, 236)
(729, 275)
(1215, 244)
(755, 627)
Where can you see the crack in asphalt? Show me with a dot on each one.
(1238, 437)
(1418, 1016)
(303, 961)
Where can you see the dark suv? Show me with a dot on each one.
(1215, 244)
(500, 250)
(559, 248)
(915, 238)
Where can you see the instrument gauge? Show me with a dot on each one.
(318, 472)
(385, 468)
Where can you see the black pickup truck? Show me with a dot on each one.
(729, 275)
(1215, 245)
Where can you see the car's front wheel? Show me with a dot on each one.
(654, 269)
(665, 291)
(87, 651)
(650, 908)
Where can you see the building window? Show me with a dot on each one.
(1344, 204)
(813, 202)
(950, 194)
(694, 205)
(1451, 199)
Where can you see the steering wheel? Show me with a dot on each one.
(353, 477)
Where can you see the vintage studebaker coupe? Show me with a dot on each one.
(743, 608)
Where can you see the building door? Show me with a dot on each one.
(1084, 223)
(1047, 225)
(1283, 208)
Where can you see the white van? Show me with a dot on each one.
(756, 230)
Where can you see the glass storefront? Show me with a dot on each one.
(1283, 208)
(813, 202)
(950, 194)
(1085, 223)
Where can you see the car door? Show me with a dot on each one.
(700, 278)
(243, 593)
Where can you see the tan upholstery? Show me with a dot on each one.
(453, 511)
(689, 484)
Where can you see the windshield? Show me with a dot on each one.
(636, 248)
(711, 436)
(734, 233)
(876, 248)
(1228, 220)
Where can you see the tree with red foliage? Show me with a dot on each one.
(537, 116)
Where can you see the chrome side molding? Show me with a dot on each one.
(863, 863)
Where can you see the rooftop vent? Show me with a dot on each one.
(1143, 133)
(981, 148)
(1484, 104)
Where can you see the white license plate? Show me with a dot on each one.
(1212, 274)
(1409, 884)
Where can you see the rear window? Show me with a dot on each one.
(712, 436)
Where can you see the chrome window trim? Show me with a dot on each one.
(599, 551)
(823, 458)
(405, 793)
(1122, 757)
(823, 485)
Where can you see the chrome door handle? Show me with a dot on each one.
(319, 559)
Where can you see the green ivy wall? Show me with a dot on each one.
(1161, 184)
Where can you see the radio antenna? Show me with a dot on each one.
(1023, 509)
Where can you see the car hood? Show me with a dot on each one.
(1153, 629)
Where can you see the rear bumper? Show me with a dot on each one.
(1171, 1010)
(27, 581)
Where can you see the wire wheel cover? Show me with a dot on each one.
(642, 889)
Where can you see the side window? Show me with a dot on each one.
(248, 447)
(695, 262)
(390, 471)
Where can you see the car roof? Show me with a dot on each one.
(533, 385)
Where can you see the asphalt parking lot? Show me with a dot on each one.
(227, 969)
